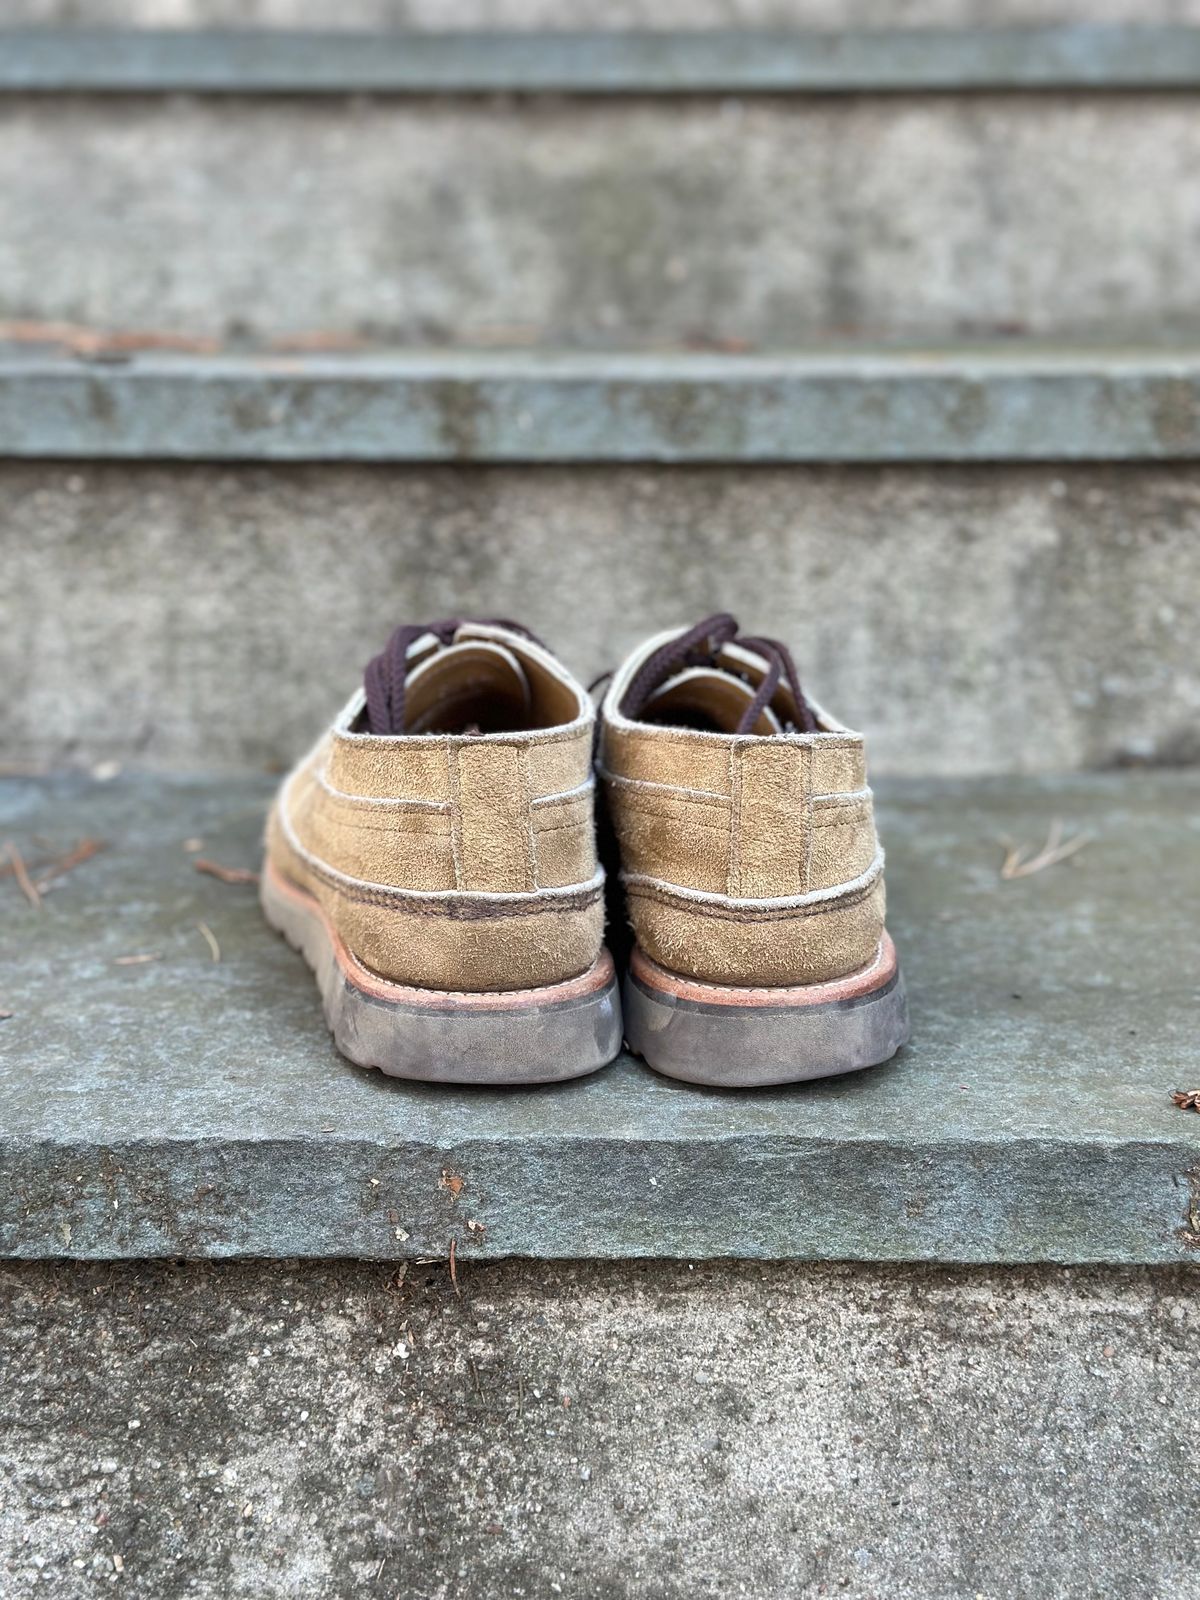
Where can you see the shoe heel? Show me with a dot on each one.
(525, 1036)
(736, 1038)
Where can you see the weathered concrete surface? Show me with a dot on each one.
(969, 619)
(432, 14)
(1002, 402)
(599, 1432)
(605, 222)
(183, 1106)
(688, 60)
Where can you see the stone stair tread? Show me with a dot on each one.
(1008, 401)
(643, 61)
(186, 1106)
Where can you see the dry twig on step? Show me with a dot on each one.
(226, 874)
(454, 1265)
(210, 939)
(1017, 864)
(83, 851)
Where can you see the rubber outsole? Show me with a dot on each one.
(517, 1037)
(735, 1038)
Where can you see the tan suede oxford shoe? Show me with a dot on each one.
(752, 873)
(434, 860)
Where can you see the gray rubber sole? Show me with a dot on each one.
(734, 1043)
(529, 1036)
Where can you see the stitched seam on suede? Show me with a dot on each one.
(724, 988)
(843, 902)
(361, 825)
(628, 808)
(464, 994)
(626, 818)
(565, 796)
(806, 779)
(861, 821)
(690, 898)
(531, 853)
(733, 868)
(344, 880)
(849, 797)
(455, 814)
(469, 909)
(706, 796)
(462, 908)
(567, 816)
(366, 802)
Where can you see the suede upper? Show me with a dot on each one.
(459, 861)
(748, 858)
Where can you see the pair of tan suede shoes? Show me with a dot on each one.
(438, 861)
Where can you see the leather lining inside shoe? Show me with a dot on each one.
(481, 686)
(707, 700)
(478, 687)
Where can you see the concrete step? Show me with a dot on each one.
(255, 1430)
(970, 618)
(692, 61)
(765, 220)
(1014, 402)
(187, 1105)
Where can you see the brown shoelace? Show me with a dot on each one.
(387, 673)
(700, 647)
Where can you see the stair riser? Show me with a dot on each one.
(970, 618)
(770, 221)
(433, 14)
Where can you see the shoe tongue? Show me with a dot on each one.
(475, 686)
(709, 699)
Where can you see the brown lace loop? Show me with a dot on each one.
(699, 647)
(386, 676)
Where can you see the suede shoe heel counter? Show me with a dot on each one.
(728, 942)
(434, 858)
(475, 884)
(751, 868)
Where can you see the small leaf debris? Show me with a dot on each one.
(138, 960)
(210, 939)
(451, 1180)
(1187, 1099)
(4, 1015)
(1017, 864)
(226, 874)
